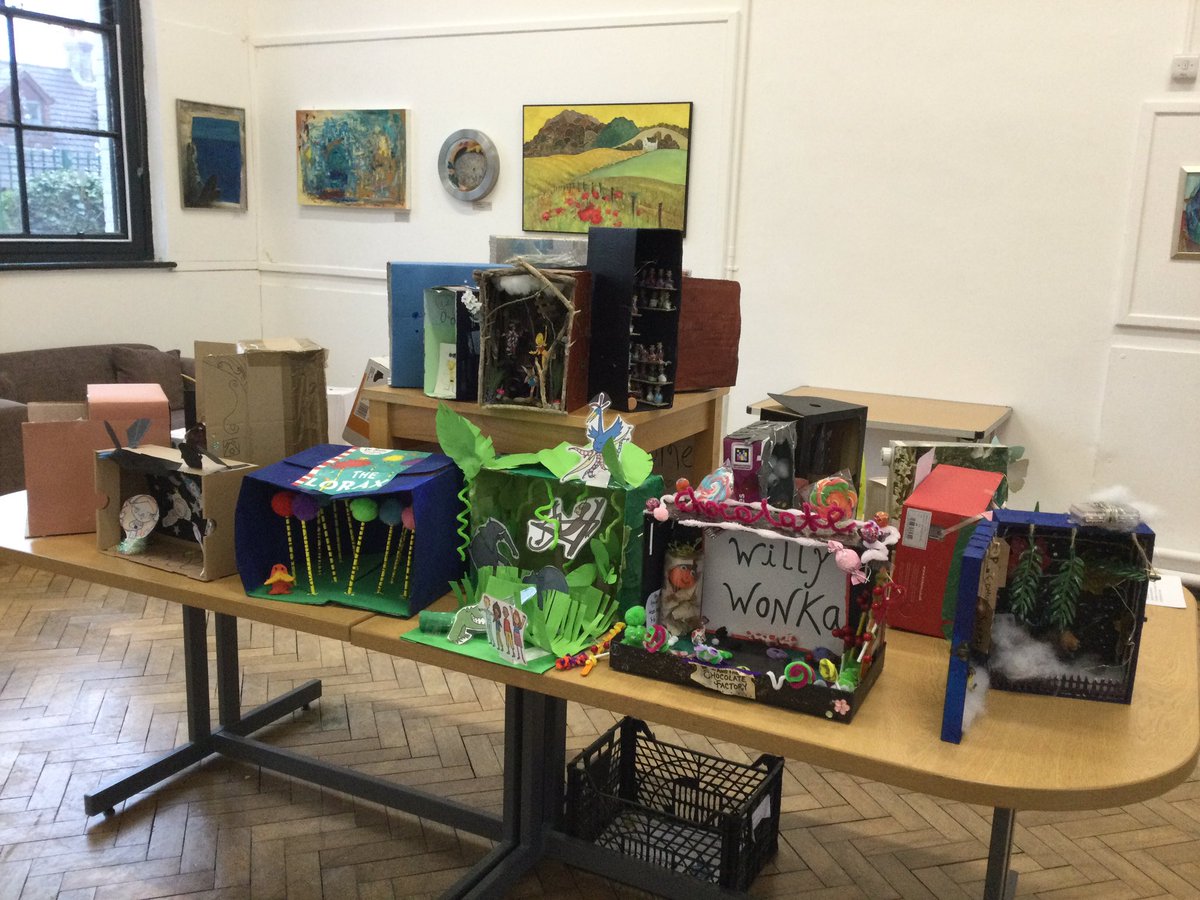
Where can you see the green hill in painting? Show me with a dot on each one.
(615, 133)
(669, 166)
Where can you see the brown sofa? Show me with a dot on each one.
(63, 374)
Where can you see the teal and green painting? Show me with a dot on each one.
(620, 165)
(352, 157)
(1188, 240)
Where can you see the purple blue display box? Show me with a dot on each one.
(385, 541)
(406, 283)
(1047, 605)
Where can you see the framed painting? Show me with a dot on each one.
(212, 155)
(1187, 215)
(613, 165)
(352, 157)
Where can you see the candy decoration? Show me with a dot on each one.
(281, 502)
(390, 514)
(304, 508)
(364, 509)
(834, 492)
(848, 561)
(655, 639)
(798, 673)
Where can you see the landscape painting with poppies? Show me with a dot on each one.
(618, 165)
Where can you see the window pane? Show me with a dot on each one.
(62, 75)
(10, 196)
(6, 113)
(72, 185)
(87, 10)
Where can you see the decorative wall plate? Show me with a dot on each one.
(468, 164)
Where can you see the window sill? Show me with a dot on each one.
(93, 264)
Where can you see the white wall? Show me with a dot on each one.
(930, 198)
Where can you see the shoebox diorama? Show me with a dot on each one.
(59, 441)
(553, 542)
(1050, 603)
(169, 508)
(938, 520)
(358, 526)
(534, 328)
(262, 400)
(829, 436)
(452, 343)
(908, 462)
(787, 607)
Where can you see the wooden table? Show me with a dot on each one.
(403, 417)
(1026, 752)
(940, 419)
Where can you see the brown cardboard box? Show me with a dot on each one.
(262, 400)
(59, 441)
(358, 426)
(194, 535)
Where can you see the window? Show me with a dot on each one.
(74, 185)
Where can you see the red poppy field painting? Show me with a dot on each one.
(617, 165)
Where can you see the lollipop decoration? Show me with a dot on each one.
(138, 516)
(390, 514)
(364, 510)
(304, 508)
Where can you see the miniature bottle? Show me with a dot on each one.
(669, 280)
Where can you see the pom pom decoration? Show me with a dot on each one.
(304, 507)
(363, 510)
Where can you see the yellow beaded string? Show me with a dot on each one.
(324, 523)
(399, 551)
(408, 563)
(287, 524)
(387, 545)
(337, 530)
(312, 587)
(357, 549)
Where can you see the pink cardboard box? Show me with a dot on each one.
(60, 441)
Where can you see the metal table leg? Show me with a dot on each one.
(1001, 881)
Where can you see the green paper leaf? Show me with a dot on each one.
(463, 442)
(613, 463)
(513, 461)
(636, 464)
(558, 460)
(583, 575)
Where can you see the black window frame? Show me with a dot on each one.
(120, 21)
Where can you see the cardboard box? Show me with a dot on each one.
(325, 544)
(451, 344)
(193, 535)
(262, 400)
(358, 426)
(406, 283)
(936, 525)
(829, 436)
(60, 440)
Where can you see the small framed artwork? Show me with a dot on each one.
(1187, 215)
(212, 155)
(352, 157)
(468, 165)
(613, 165)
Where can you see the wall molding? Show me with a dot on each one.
(1152, 113)
(718, 15)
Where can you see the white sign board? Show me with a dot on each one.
(772, 589)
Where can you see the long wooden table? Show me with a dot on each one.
(1026, 752)
(405, 418)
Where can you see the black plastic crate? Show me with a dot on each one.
(686, 811)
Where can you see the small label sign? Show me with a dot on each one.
(725, 681)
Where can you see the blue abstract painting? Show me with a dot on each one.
(1187, 241)
(352, 157)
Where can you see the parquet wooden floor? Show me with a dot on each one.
(91, 685)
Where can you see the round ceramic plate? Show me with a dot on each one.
(468, 164)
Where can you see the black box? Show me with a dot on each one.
(686, 811)
(829, 435)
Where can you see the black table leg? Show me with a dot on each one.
(1001, 881)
